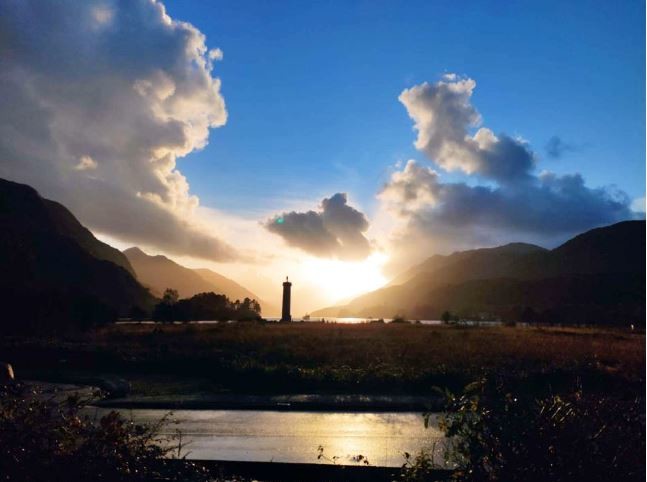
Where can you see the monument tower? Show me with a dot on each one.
(285, 314)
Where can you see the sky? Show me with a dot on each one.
(336, 142)
(569, 69)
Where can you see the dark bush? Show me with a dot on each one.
(399, 319)
(500, 433)
(47, 440)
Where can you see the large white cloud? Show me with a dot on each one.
(336, 230)
(516, 203)
(100, 99)
(443, 114)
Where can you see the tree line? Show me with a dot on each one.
(205, 306)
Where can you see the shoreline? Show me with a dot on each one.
(232, 401)
(288, 403)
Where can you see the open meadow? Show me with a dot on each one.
(336, 358)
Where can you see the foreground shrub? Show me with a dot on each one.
(48, 440)
(497, 433)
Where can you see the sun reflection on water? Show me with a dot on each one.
(296, 436)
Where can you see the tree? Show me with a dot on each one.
(398, 319)
(166, 309)
(446, 317)
(170, 296)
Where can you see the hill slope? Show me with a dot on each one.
(54, 269)
(159, 273)
(598, 275)
(485, 257)
(67, 225)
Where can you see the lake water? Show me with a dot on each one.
(274, 318)
(317, 319)
(294, 437)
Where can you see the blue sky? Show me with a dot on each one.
(311, 90)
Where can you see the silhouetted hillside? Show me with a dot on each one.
(597, 276)
(618, 248)
(67, 225)
(159, 273)
(54, 271)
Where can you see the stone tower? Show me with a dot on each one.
(285, 314)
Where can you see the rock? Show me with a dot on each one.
(6, 373)
(115, 386)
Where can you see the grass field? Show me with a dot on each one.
(336, 358)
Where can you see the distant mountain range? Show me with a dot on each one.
(55, 272)
(598, 276)
(159, 273)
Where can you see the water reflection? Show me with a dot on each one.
(295, 436)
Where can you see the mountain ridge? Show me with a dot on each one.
(54, 269)
(159, 272)
(602, 260)
(438, 261)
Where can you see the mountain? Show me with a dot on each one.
(475, 263)
(67, 225)
(159, 273)
(409, 288)
(54, 269)
(597, 275)
(618, 248)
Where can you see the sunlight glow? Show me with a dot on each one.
(341, 280)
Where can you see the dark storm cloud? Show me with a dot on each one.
(100, 98)
(334, 231)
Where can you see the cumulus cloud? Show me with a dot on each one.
(548, 205)
(515, 204)
(101, 98)
(336, 230)
(443, 114)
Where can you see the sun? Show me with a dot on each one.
(342, 280)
